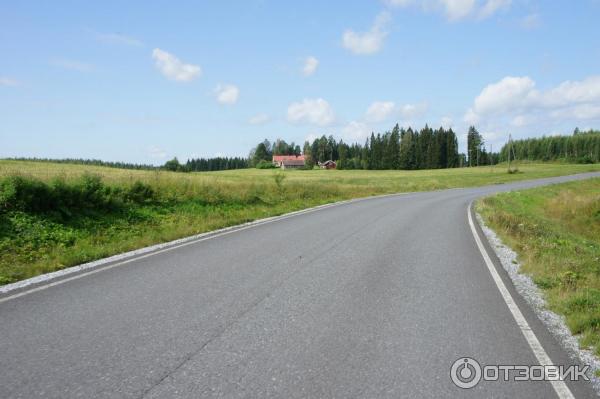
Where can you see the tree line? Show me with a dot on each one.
(93, 162)
(581, 147)
(207, 164)
(192, 165)
(396, 149)
(399, 148)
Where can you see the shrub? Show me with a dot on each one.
(18, 193)
(31, 195)
(139, 193)
(265, 165)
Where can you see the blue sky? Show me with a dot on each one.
(146, 81)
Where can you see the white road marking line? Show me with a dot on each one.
(561, 389)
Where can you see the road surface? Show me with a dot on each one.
(373, 298)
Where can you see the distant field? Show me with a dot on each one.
(364, 182)
(173, 205)
(555, 230)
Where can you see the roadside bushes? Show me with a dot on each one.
(19, 193)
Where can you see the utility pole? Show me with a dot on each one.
(509, 144)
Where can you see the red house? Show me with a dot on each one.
(288, 161)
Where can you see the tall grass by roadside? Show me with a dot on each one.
(555, 230)
(58, 215)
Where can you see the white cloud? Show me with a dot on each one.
(521, 120)
(117, 38)
(455, 10)
(530, 21)
(471, 117)
(227, 94)
(510, 92)
(310, 66)
(72, 65)
(526, 119)
(356, 131)
(259, 119)
(518, 99)
(370, 42)
(410, 111)
(173, 68)
(311, 111)
(5, 81)
(579, 112)
(492, 6)
(568, 92)
(380, 111)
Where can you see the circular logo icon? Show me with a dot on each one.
(465, 373)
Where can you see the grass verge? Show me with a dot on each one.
(555, 231)
(57, 215)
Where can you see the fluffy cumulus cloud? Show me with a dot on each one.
(356, 131)
(259, 119)
(380, 111)
(369, 42)
(412, 111)
(509, 93)
(456, 9)
(227, 94)
(173, 68)
(310, 66)
(518, 99)
(311, 111)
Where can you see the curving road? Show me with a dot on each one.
(372, 298)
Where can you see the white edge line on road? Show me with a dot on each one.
(561, 389)
(47, 280)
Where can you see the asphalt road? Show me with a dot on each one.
(374, 298)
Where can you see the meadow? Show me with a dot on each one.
(555, 231)
(57, 215)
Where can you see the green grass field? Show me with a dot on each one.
(555, 231)
(35, 240)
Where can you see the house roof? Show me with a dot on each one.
(279, 158)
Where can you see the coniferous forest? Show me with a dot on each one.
(399, 148)
(581, 147)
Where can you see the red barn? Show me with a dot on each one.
(328, 164)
